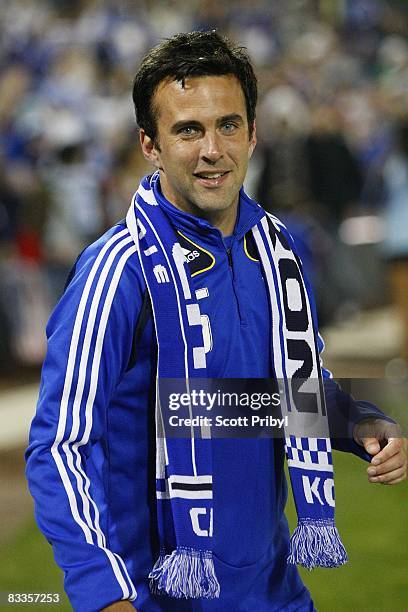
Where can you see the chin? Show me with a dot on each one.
(213, 206)
(213, 202)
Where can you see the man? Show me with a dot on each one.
(179, 286)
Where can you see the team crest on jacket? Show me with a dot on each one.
(199, 259)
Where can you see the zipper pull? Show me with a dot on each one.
(229, 257)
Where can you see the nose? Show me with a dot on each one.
(211, 150)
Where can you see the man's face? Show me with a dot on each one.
(203, 146)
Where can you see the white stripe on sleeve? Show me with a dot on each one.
(87, 527)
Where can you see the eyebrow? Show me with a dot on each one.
(194, 123)
(233, 117)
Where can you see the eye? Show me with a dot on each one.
(188, 130)
(229, 127)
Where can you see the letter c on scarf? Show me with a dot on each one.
(194, 513)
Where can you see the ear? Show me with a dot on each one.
(252, 142)
(149, 149)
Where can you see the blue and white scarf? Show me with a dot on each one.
(184, 481)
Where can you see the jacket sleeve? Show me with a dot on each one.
(344, 412)
(89, 343)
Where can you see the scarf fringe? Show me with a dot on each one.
(153, 582)
(186, 572)
(317, 544)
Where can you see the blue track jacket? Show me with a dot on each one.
(91, 458)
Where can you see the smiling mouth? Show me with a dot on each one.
(208, 176)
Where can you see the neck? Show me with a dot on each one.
(224, 220)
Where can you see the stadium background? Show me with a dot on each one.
(332, 154)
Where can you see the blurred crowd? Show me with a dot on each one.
(332, 129)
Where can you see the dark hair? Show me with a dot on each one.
(191, 55)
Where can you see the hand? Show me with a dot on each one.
(385, 442)
(120, 606)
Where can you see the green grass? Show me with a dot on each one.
(372, 520)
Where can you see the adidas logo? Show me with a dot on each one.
(198, 259)
(190, 255)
